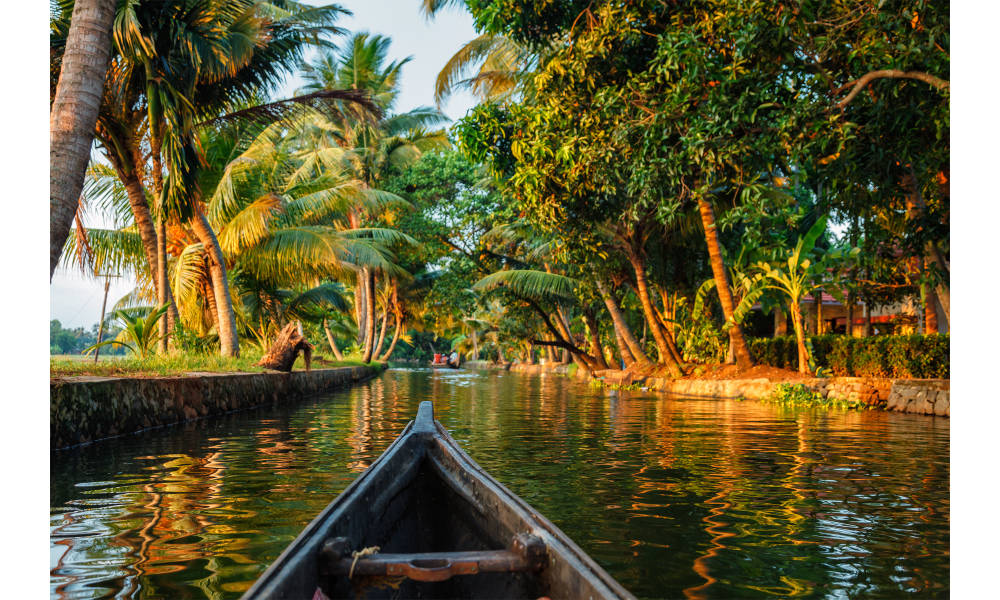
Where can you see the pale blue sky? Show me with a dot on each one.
(75, 299)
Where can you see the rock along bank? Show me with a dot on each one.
(86, 409)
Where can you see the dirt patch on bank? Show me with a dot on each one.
(732, 372)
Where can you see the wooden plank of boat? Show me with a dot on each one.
(443, 528)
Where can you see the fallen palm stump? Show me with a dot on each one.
(283, 352)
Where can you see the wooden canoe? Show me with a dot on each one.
(435, 365)
(444, 529)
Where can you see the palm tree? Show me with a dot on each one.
(76, 102)
(372, 147)
(199, 59)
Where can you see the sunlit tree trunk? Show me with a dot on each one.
(743, 358)
(623, 351)
(333, 342)
(73, 115)
(381, 335)
(622, 329)
(370, 320)
(642, 288)
(932, 254)
(596, 349)
(395, 338)
(800, 338)
(230, 344)
(930, 310)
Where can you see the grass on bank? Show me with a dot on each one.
(176, 364)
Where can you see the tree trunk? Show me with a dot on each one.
(381, 335)
(596, 349)
(743, 358)
(800, 338)
(147, 233)
(73, 116)
(623, 351)
(333, 342)
(395, 337)
(229, 342)
(285, 349)
(914, 210)
(361, 305)
(666, 357)
(622, 329)
(868, 321)
(780, 323)
(475, 345)
(161, 277)
(930, 311)
(818, 304)
(213, 310)
(370, 321)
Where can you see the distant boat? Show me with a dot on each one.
(435, 365)
(443, 528)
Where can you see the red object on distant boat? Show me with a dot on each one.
(437, 359)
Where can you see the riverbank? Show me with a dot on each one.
(84, 409)
(918, 396)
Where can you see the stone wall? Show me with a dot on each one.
(922, 396)
(85, 409)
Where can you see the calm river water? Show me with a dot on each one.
(674, 498)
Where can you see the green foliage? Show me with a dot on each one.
(796, 395)
(139, 327)
(887, 356)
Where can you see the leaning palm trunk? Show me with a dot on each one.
(381, 336)
(74, 115)
(642, 288)
(744, 360)
(623, 351)
(622, 329)
(147, 233)
(333, 342)
(596, 349)
(370, 310)
(395, 338)
(230, 344)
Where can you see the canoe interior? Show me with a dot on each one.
(425, 495)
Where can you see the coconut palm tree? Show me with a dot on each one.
(371, 148)
(76, 100)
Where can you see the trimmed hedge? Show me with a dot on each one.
(885, 356)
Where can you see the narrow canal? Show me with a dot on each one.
(674, 498)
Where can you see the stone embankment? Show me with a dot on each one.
(920, 396)
(85, 409)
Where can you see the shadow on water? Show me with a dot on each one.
(680, 499)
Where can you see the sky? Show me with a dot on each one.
(75, 299)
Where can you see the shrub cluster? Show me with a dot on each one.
(888, 356)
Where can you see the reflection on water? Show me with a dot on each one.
(675, 498)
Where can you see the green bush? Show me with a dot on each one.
(887, 356)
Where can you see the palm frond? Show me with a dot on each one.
(533, 284)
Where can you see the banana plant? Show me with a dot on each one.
(800, 274)
(137, 328)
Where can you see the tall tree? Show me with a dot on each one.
(73, 114)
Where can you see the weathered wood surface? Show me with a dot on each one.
(285, 349)
(425, 495)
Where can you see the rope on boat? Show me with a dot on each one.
(360, 553)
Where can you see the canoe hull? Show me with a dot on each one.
(424, 494)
